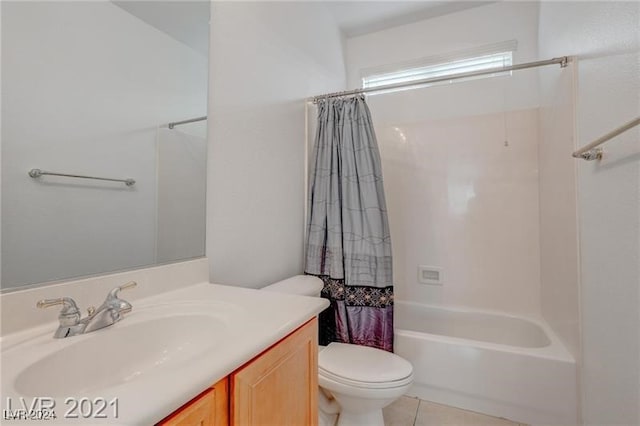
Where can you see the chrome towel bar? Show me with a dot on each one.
(36, 173)
(590, 152)
(191, 120)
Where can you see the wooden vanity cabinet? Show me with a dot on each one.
(210, 408)
(278, 387)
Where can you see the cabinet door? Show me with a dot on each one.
(279, 387)
(210, 408)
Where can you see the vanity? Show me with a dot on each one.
(201, 354)
(278, 387)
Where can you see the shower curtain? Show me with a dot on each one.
(349, 246)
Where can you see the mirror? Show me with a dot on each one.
(88, 89)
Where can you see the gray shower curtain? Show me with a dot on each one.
(349, 245)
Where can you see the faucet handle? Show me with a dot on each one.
(69, 315)
(69, 305)
(114, 293)
(130, 284)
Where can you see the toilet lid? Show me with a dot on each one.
(357, 363)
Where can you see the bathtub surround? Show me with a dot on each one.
(559, 269)
(349, 244)
(461, 200)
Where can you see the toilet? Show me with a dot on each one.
(356, 382)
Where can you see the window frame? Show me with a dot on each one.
(440, 67)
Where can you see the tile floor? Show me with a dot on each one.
(415, 412)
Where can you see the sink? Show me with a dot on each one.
(168, 349)
(128, 351)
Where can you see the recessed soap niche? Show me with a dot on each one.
(431, 275)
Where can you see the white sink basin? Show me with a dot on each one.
(119, 355)
(150, 340)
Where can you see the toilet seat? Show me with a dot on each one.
(365, 385)
(363, 367)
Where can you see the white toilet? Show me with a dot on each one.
(356, 382)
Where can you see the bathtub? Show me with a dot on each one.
(488, 362)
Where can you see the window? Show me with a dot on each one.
(442, 69)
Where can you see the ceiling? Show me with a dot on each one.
(361, 17)
(186, 21)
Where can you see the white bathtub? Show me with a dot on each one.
(492, 363)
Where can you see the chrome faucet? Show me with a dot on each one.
(71, 323)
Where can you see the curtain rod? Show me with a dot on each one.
(563, 61)
(191, 120)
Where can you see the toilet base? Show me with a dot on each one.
(369, 418)
(325, 419)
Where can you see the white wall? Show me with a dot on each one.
(457, 197)
(606, 37)
(438, 38)
(468, 29)
(84, 85)
(265, 59)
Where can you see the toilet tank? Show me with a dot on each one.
(302, 285)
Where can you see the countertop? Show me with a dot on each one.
(254, 320)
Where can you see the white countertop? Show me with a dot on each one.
(254, 320)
